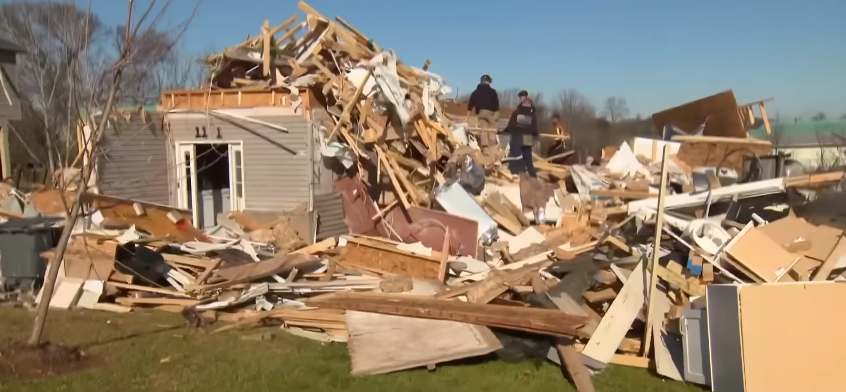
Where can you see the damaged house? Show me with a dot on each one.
(225, 151)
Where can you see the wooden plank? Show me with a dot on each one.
(543, 321)
(656, 247)
(262, 269)
(444, 266)
(571, 361)
(617, 321)
(132, 287)
(156, 301)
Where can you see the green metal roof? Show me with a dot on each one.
(804, 133)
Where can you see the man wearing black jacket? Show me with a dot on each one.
(484, 101)
(523, 128)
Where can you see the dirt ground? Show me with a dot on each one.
(25, 361)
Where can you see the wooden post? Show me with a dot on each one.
(656, 254)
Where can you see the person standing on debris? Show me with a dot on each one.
(559, 146)
(523, 129)
(484, 102)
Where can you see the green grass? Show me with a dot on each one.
(130, 350)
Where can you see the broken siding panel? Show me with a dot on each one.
(330, 216)
(277, 164)
(10, 109)
(134, 162)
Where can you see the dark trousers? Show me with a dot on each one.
(517, 147)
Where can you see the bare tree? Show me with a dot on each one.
(578, 114)
(508, 98)
(818, 117)
(54, 36)
(97, 114)
(615, 109)
(69, 57)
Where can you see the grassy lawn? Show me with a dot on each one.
(155, 352)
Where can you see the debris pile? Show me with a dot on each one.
(637, 261)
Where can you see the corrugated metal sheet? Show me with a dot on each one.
(134, 163)
(277, 165)
(330, 216)
(9, 110)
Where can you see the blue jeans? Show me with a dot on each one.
(518, 147)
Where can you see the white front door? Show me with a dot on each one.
(187, 178)
(236, 177)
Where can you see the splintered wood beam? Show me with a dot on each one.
(357, 34)
(535, 320)
(766, 119)
(265, 48)
(352, 103)
(444, 267)
(290, 33)
(394, 181)
(303, 6)
(284, 25)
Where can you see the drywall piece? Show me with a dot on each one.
(512, 193)
(527, 238)
(694, 328)
(792, 336)
(624, 162)
(724, 338)
(381, 343)
(653, 148)
(92, 290)
(746, 190)
(67, 293)
(59, 278)
(455, 200)
(385, 72)
(617, 321)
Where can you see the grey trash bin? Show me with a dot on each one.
(21, 242)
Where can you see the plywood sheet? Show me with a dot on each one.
(391, 263)
(793, 337)
(720, 109)
(760, 255)
(705, 152)
(118, 211)
(381, 343)
(86, 258)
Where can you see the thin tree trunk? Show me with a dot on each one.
(73, 216)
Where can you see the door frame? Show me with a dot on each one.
(236, 202)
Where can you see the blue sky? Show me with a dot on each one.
(655, 53)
